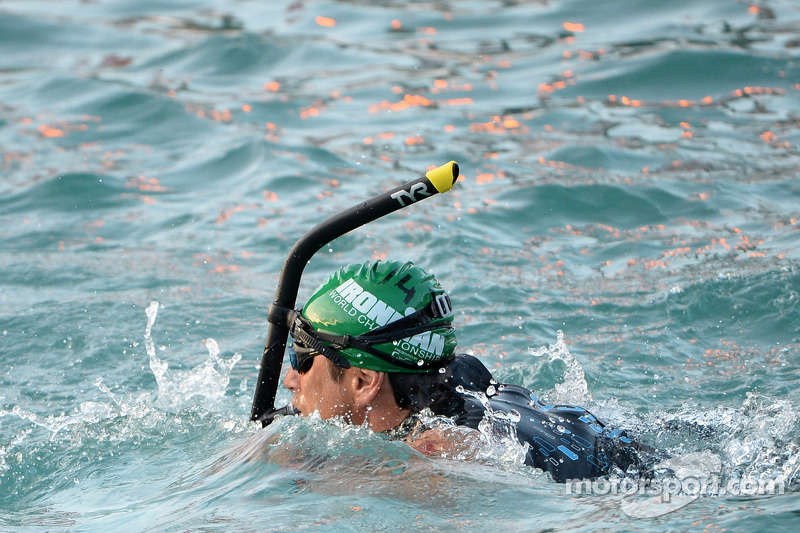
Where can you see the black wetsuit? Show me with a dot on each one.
(565, 440)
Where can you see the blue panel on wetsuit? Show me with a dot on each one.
(544, 444)
(569, 453)
(580, 440)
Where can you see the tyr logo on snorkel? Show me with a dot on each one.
(411, 195)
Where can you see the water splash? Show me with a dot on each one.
(59, 427)
(756, 441)
(136, 409)
(93, 434)
(574, 389)
(498, 431)
(209, 380)
(15, 441)
(88, 412)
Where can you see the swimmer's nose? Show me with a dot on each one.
(292, 380)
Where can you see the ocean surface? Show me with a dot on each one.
(625, 236)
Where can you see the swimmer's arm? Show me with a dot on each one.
(454, 442)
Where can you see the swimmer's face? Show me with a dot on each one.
(316, 390)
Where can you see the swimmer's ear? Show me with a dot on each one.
(366, 385)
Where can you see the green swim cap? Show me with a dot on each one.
(388, 316)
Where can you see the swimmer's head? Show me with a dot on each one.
(387, 316)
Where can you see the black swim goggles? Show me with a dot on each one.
(301, 357)
(309, 342)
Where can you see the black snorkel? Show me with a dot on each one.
(438, 180)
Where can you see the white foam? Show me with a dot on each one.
(209, 380)
(574, 389)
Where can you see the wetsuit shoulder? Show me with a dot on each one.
(567, 441)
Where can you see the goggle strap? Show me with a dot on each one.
(393, 334)
(346, 341)
(387, 334)
(420, 321)
(313, 342)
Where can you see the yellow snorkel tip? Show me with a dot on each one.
(444, 177)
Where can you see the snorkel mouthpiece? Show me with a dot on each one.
(435, 181)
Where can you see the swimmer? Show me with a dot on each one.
(375, 346)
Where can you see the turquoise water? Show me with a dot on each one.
(630, 179)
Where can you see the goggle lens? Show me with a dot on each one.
(301, 357)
